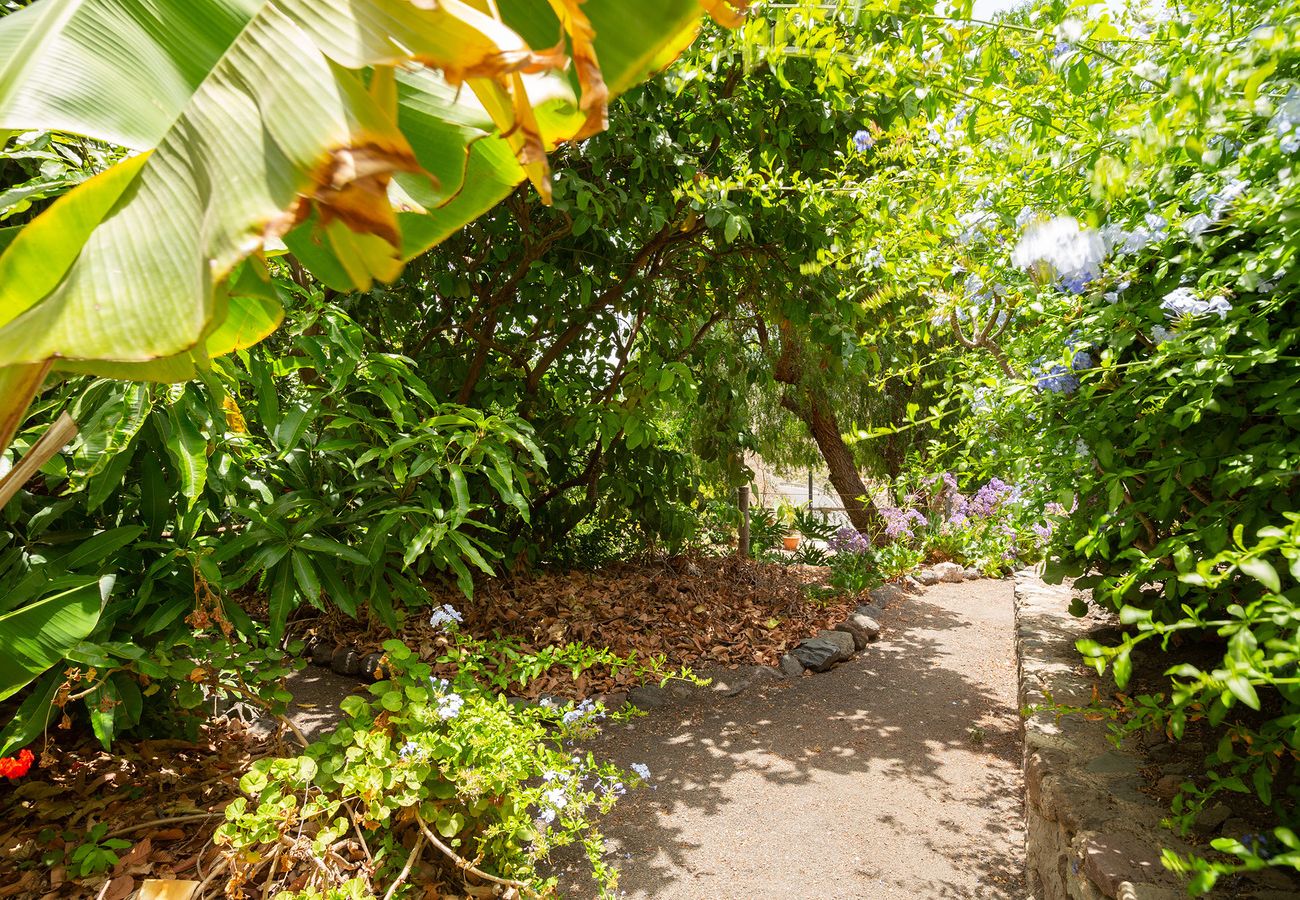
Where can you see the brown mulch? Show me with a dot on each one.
(163, 797)
(704, 613)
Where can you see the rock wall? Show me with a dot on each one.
(1090, 831)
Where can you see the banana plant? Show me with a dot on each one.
(353, 133)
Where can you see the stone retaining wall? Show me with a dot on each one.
(1090, 831)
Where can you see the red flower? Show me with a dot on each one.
(16, 767)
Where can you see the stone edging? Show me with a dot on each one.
(1090, 832)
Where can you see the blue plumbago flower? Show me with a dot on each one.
(1160, 334)
(409, 749)
(582, 713)
(1042, 531)
(1058, 379)
(1077, 283)
(642, 770)
(445, 615)
(449, 706)
(873, 259)
(1068, 250)
(1286, 122)
(1197, 225)
(1183, 301)
(863, 141)
(1113, 296)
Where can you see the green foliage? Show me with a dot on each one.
(489, 780)
(855, 572)
(90, 853)
(1146, 383)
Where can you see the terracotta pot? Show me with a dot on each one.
(791, 541)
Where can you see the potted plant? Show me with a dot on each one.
(785, 515)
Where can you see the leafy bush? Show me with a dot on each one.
(328, 473)
(427, 763)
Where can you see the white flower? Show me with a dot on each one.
(1146, 70)
(1183, 301)
(443, 615)
(1069, 249)
(1069, 31)
(1196, 225)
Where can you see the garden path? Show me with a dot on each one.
(895, 775)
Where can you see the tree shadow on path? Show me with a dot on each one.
(895, 775)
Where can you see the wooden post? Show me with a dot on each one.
(743, 501)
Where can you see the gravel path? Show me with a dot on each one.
(895, 775)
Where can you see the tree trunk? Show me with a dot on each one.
(825, 429)
(810, 407)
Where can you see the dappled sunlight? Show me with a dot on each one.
(873, 760)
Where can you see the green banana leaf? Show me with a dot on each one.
(37, 636)
(358, 132)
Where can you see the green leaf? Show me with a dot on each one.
(37, 636)
(33, 716)
(1262, 571)
(1243, 690)
(188, 449)
(319, 544)
(305, 574)
(101, 704)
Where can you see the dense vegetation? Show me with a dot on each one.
(982, 272)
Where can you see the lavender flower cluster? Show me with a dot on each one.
(849, 540)
(899, 522)
(990, 498)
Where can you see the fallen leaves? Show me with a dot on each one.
(165, 797)
(698, 612)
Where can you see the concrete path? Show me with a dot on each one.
(896, 775)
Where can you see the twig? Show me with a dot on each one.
(270, 876)
(356, 826)
(297, 732)
(170, 820)
(50, 443)
(463, 863)
(406, 869)
(305, 852)
(216, 870)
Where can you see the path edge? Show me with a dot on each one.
(1090, 833)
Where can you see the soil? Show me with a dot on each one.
(895, 775)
